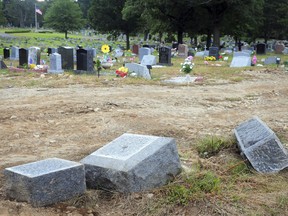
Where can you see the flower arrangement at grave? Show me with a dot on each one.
(122, 71)
(187, 65)
(106, 60)
(210, 58)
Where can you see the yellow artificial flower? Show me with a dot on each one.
(32, 66)
(105, 48)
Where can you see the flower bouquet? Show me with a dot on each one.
(187, 65)
(122, 72)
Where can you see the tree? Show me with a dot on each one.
(19, 13)
(64, 16)
(106, 16)
(3, 20)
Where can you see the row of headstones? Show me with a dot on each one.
(32, 56)
(130, 163)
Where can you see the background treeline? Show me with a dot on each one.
(241, 19)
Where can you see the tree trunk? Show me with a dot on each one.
(216, 36)
(180, 36)
(208, 40)
(146, 35)
(127, 40)
(66, 34)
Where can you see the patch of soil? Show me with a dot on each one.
(72, 122)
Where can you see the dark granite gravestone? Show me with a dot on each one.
(133, 163)
(85, 60)
(23, 57)
(261, 49)
(67, 57)
(259, 144)
(165, 56)
(175, 45)
(214, 51)
(6, 53)
(45, 182)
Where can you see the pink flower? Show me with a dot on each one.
(206, 62)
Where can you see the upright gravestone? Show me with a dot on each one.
(6, 53)
(261, 48)
(148, 60)
(135, 49)
(144, 51)
(214, 51)
(243, 53)
(165, 56)
(67, 57)
(85, 60)
(23, 57)
(183, 50)
(175, 45)
(133, 163)
(34, 55)
(279, 48)
(51, 51)
(259, 144)
(55, 64)
(14, 55)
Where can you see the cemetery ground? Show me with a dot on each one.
(70, 116)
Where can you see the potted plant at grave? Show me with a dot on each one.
(187, 65)
(122, 71)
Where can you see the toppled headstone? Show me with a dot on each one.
(132, 163)
(241, 61)
(139, 70)
(259, 144)
(45, 182)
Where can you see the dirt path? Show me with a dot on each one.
(72, 122)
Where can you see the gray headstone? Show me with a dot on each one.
(270, 60)
(259, 144)
(34, 55)
(45, 182)
(55, 64)
(148, 60)
(133, 163)
(285, 51)
(241, 61)
(14, 55)
(237, 54)
(144, 51)
(214, 51)
(183, 50)
(140, 70)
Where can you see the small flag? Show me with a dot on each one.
(37, 10)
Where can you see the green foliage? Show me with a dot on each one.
(64, 16)
(192, 187)
(17, 31)
(209, 146)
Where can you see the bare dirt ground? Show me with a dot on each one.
(71, 122)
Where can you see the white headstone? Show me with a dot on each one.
(139, 70)
(241, 61)
(148, 60)
(55, 64)
(34, 55)
(144, 51)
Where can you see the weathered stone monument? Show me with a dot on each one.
(135, 49)
(279, 48)
(45, 182)
(132, 163)
(241, 61)
(34, 55)
(259, 144)
(183, 50)
(55, 64)
(148, 60)
(270, 60)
